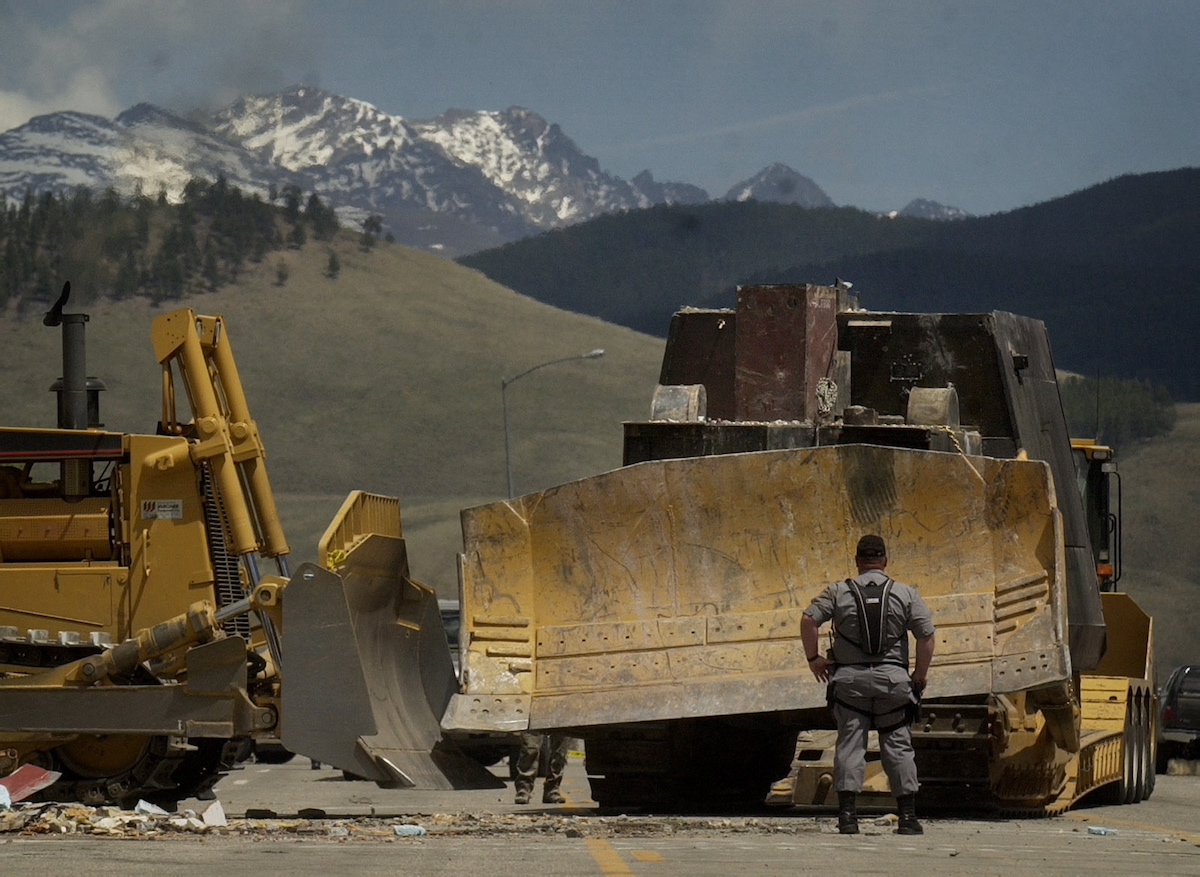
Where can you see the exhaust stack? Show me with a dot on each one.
(78, 395)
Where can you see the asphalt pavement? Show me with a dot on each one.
(295, 820)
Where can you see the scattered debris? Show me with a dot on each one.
(1096, 829)
(214, 815)
(1179, 767)
(146, 820)
(149, 821)
(27, 780)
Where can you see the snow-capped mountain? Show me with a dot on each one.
(353, 154)
(143, 147)
(510, 171)
(922, 208)
(460, 182)
(524, 155)
(457, 182)
(668, 193)
(782, 184)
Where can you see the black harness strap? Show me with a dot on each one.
(872, 621)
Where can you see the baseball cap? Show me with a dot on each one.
(871, 546)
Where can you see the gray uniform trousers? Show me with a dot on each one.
(880, 692)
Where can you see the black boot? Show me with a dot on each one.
(909, 824)
(847, 813)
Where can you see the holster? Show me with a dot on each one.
(912, 712)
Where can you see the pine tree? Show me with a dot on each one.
(372, 227)
(298, 238)
(323, 219)
(291, 203)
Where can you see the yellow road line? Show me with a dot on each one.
(647, 856)
(1188, 836)
(609, 860)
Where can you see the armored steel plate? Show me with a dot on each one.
(675, 588)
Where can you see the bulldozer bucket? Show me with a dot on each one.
(367, 671)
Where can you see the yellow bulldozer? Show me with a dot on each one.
(654, 610)
(142, 648)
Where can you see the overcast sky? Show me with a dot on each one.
(987, 106)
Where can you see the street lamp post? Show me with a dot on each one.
(504, 382)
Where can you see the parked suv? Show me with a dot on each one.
(1179, 723)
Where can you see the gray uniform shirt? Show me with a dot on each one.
(906, 613)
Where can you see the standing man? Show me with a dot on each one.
(869, 682)
(527, 766)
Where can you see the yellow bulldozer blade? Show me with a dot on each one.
(674, 588)
(367, 671)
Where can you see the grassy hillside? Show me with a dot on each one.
(1161, 491)
(386, 379)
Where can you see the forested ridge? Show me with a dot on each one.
(115, 247)
(1113, 270)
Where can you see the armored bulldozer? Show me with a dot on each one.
(654, 610)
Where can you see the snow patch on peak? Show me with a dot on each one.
(923, 208)
(781, 184)
(521, 153)
(304, 127)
